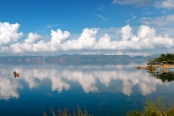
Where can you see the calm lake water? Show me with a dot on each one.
(105, 89)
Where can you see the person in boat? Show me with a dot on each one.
(15, 74)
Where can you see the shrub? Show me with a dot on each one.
(154, 109)
(64, 112)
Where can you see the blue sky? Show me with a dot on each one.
(93, 26)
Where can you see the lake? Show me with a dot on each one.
(105, 89)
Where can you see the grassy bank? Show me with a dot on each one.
(151, 108)
(64, 112)
(154, 109)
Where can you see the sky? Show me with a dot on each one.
(110, 27)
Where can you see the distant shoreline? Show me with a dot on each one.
(158, 67)
(63, 59)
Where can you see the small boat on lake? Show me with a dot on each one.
(15, 74)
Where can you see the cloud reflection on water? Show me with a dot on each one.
(88, 76)
(8, 87)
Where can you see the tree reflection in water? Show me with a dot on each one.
(164, 77)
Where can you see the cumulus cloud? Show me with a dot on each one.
(126, 32)
(105, 43)
(137, 3)
(145, 38)
(58, 42)
(32, 38)
(58, 36)
(164, 4)
(86, 41)
(159, 21)
(9, 33)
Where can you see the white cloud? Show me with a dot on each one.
(159, 21)
(164, 4)
(137, 3)
(122, 40)
(105, 43)
(9, 33)
(86, 41)
(133, 17)
(32, 38)
(126, 32)
(58, 36)
(102, 17)
(41, 46)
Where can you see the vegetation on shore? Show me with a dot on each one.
(154, 109)
(151, 108)
(164, 57)
(167, 59)
(150, 68)
(65, 112)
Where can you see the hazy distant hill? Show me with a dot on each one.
(65, 59)
(74, 59)
(152, 57)
(89, 57)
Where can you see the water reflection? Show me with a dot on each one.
(9, 89)
(164, 77)
(88, 77)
